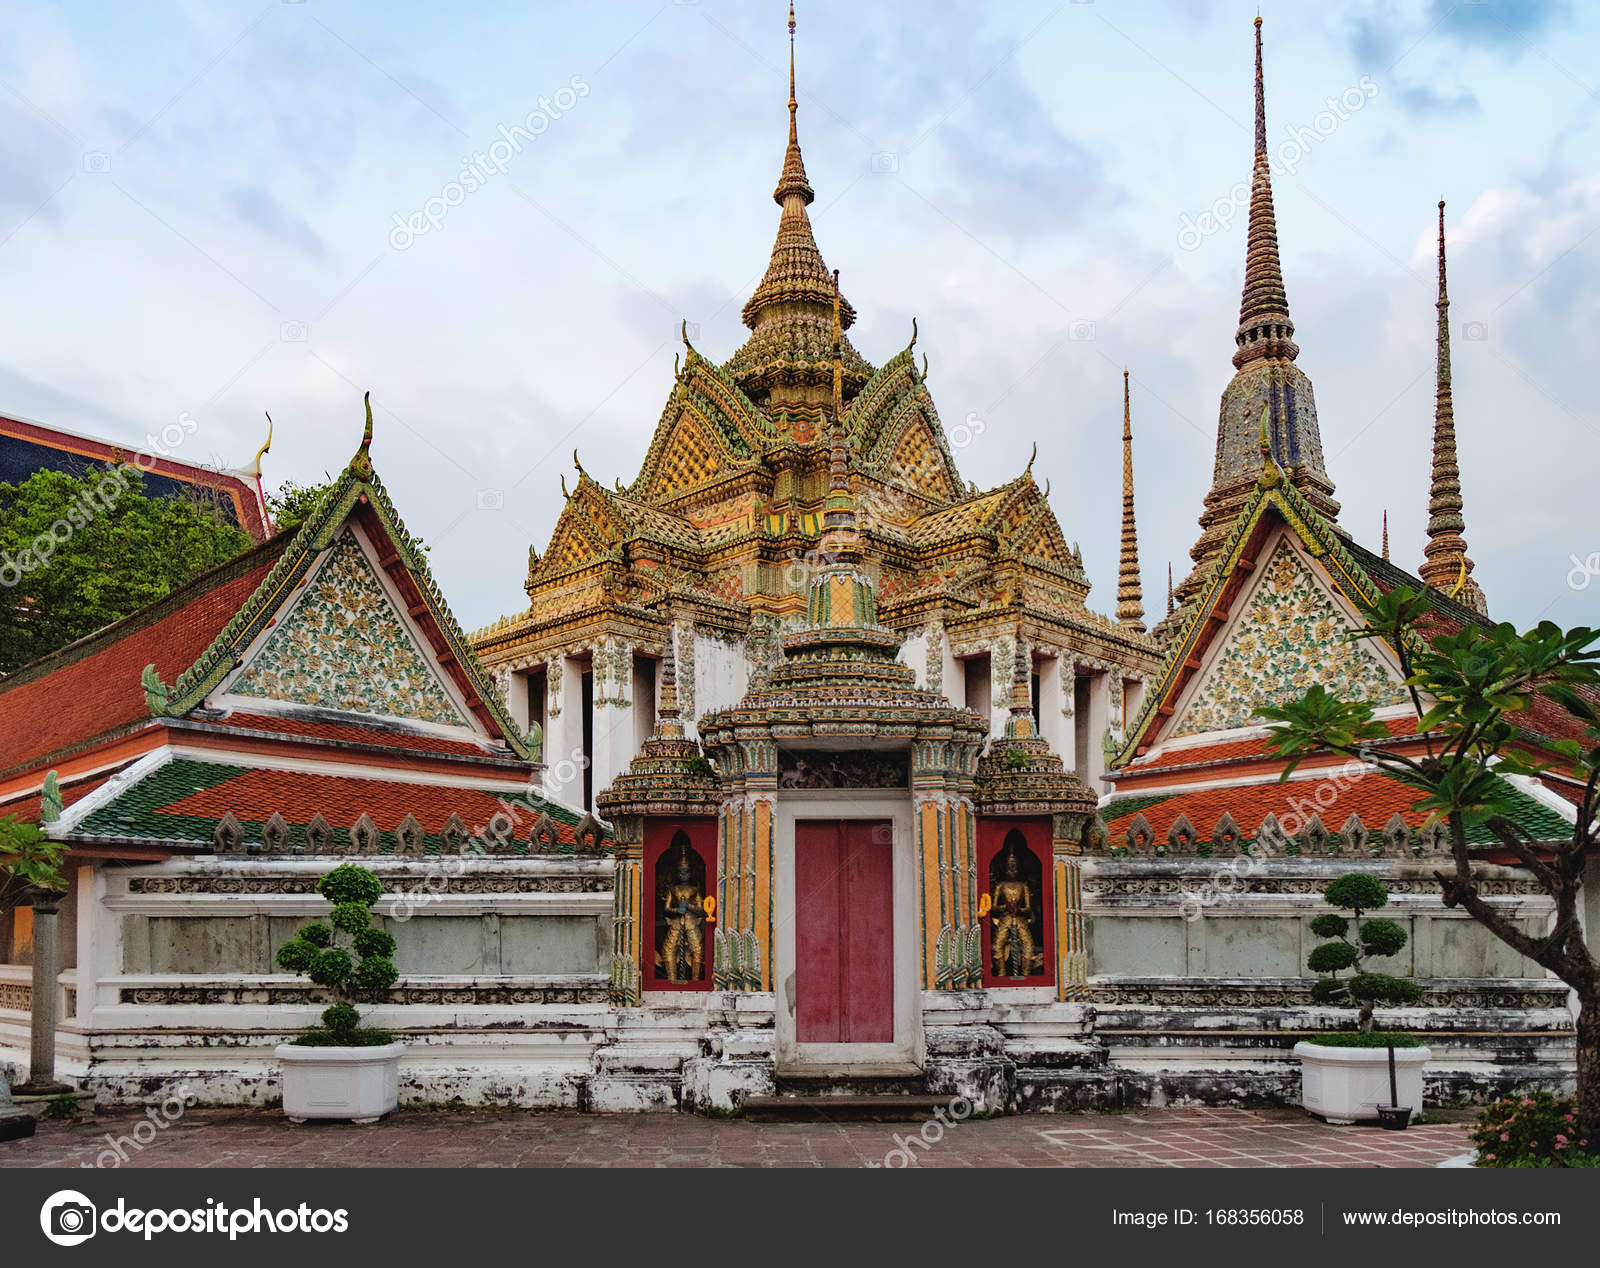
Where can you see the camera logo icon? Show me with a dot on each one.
(292, 331)
(97, 161)
(883, 163)
(491, 500)
(1475, 330)
(68, 1218)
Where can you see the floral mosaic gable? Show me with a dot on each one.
(344, 647)
(1289, 637)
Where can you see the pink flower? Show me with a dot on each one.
(1505, 1135)
(1527, 1102)
(1571, 1118)
(1561, 1146)
(1561, 1139)
(1488, 1157)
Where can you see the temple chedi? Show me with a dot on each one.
(712, 547)
(1266, 379)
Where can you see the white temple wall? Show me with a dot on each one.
(721, 674)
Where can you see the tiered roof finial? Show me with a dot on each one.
(1130, 594)
(1446, 566)
(1386, 537)
(1264, 326)
(783, 366)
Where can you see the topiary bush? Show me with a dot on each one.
(349, 956)
(1350, 947)
(1532, 1131)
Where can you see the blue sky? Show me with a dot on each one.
(198, 204)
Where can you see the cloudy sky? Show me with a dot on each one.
(200, 206)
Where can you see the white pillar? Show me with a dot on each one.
(1002, 662)
(1052, 726)
(613, 711)
(46, 999)
(1099, 719)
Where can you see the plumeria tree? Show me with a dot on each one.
(1470, 690)
(29, 862)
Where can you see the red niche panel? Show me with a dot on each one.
(680, 874)
(1014, 877)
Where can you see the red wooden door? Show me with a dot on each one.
(844, 932)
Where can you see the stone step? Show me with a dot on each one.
(830, 1106)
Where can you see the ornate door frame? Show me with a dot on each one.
(904, 1055)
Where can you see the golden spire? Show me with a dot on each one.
(1386, 536)
(793, 179)
(839, 510)
(1130, 595)
(779, 366)
(1264, 326)
(1446, 566)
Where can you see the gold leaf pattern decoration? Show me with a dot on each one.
(1290, 636)
(344, 647)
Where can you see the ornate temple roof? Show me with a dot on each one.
(728, 504)
(322, 700)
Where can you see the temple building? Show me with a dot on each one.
(713, 544)
(807, 768)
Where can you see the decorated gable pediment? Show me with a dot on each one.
(343, 646)
(1287, 635)
(587, 530)
(708, 427)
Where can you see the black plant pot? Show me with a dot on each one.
(1394, 1118)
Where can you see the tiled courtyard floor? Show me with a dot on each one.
(1146, 1138)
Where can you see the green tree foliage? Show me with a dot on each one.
(1357, 892)
(293, 503)
(349, 956)
(78, 552)
(29, 860)
(1471, 690)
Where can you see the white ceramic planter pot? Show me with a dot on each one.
(1346, 1085)
(357, 1083)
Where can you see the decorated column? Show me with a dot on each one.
(664, 808)
(1032, 810)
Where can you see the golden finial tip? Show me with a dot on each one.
(791, 17)
(1258, 20)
